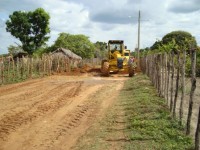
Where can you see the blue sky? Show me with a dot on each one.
(102, 20)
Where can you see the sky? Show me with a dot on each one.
(104, 20)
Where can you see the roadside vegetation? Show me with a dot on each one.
(149, 122)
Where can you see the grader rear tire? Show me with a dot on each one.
(105, 68)
(131, 71)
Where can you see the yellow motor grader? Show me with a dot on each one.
(119, 59)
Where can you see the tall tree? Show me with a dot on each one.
(31, 28)
(181, 38)
(79, 44)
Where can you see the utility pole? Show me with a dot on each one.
(138, 49)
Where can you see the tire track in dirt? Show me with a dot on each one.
(19, 97)
(21, 92)
(70, 122)
(33, 92)
(54, 123)
(31, 98)
(26, 102)
(11, 89)
(79, 118)
(14, 120)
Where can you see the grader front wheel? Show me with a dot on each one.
(105, 68)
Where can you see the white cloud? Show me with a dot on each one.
(184, 6)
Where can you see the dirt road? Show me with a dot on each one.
(53, 112)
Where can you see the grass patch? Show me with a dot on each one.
(149, 121)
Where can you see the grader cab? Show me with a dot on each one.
(119, 59)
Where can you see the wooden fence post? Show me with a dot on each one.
(165, 89)
(172, 82)
(13, 69)
(151, 71)
(51, 64)
(159, 65)
(38, 67)
(193, 87)
(142, 64)
(182, 87)
(28, 67)
(48, 64)
(2, 71)
(162, 74)
(177, 84)
(8, 73)
(69, 67)
(197, 132)
(147, 65)
(168, 76)
(17, 69)
(155, 71)
(31, 67)
(44, 66)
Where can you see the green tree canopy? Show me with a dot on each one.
(79, 44)
(31, 28)
(100, 49)
(156, 45)
(182, 39)
(100, 45)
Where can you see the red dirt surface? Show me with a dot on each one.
(53, 112)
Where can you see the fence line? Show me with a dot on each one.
(163, 70)
(14, 70)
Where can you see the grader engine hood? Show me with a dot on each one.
(116, 54)
(120, 60)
